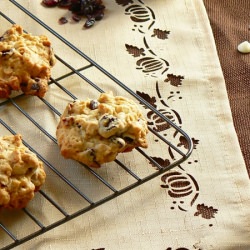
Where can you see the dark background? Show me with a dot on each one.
(230, 22)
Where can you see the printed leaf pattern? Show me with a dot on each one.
(146, 97)
(160, 161)
(136, 52)
(181, 186)
(161, 34)
(183, 142)
(174, 80)
(205, 211)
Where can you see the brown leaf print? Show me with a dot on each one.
(160, 161)
(136, 52)
(195, 142)
(174, 80)
(183, 142)
(123, 2)
(205, 211)
(161, 34)
(146, 97)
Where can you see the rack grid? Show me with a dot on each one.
(94, 179)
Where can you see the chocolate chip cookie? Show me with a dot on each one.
(26, 62)
(95, 131)
(21, 173)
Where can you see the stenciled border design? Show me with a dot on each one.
(181, 186)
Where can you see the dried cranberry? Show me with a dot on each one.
(50, 3)
(64, 3)
(93, 104)
(87, 10)
(89, 23)
(6, 52)
(100, 7)
(76, 18)
(62, 20)
(99, 15)
(93, 10)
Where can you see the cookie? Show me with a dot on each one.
(26, 62)
(21, 173)
(96, 131)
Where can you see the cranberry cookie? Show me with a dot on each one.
(21, 173)
(95, 131)
(26, 62)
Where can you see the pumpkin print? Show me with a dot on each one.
(177, 184)
(157, 123)
(151, 64)
(139, 13)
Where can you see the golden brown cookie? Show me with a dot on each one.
(26, 62)
(21, 173)
(95, 131)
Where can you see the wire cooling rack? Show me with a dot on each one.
(87, 196)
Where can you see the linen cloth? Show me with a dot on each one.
(186, 81)
(230, 24)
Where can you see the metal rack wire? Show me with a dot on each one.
(9, 235)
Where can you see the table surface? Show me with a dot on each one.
(230, 24)
(180, 56)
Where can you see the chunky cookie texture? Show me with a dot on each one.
(21, 173)
(95, 131)
(26, 62)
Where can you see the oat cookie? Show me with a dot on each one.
(95, 131)
(21, 173)
(26, 62)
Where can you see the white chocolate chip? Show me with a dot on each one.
(244, 47)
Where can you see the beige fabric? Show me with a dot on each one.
(215, 215)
